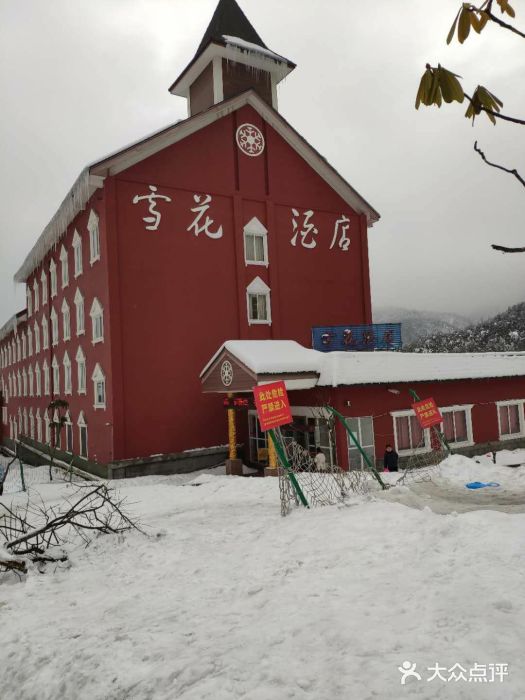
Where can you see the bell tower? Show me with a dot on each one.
(231, 59)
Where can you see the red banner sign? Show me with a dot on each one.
(427, 413)
(273, 407)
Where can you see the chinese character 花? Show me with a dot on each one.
(203, 204)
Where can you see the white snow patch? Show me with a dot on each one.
(227, 600)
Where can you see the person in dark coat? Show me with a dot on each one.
(390, 459)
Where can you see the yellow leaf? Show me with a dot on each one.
(464, 25)
(453, 28)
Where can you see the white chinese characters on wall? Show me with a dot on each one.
(153, 221)
(199, 226)
(305, 231)
(202, 222)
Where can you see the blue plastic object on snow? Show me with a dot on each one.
(480, 484)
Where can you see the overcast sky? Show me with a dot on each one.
(79, 79)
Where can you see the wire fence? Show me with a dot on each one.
(21, 476)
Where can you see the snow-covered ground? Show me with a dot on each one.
(228, 600)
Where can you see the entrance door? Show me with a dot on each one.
(363, 429)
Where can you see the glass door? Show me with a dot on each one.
(363, 429)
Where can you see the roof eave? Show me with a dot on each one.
(222, 48)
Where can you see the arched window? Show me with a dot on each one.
(99, 387)
(97, 321)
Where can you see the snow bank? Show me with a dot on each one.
(228, 600)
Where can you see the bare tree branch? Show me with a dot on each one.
(504, 249)
(511, 171)
(497, 20)
(32, 530)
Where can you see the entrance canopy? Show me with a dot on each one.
(239, 365)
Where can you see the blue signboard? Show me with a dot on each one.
(376, 336)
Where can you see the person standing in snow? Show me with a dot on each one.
(390, 459)
(320, 460)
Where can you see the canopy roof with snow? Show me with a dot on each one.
(260, 361)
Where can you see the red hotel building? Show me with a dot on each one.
(226, 225)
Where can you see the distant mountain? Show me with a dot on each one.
(503, 333)
(420, 324)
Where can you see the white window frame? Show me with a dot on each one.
(47, 385)
(256, 229)
(54, 327)
(36, 334)
(31, 424)
(47, 422)
(68, 424)
(29, 342)
(36, 295)
(258, 288)
(66, 321)
(45, 333)
(81, 374)
(64, 263)
(512, 402)
(38, 425)
(55, 367)
(38, 380)
(81, 423)
(80, 315)
(31, 378)
(426, 435)
(43, 282)
(467, 408)
(53, 278)
(77, 254)
(94, 237)
(98, 377)
(68, 381)
(29, 301)
(96, 312)
(24, 346)
(24, 381)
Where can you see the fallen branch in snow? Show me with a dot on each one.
(34, 529)
(16, 565)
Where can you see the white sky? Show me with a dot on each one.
(79, 79)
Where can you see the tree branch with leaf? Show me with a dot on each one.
(440, 85)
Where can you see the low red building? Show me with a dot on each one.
(480, 396)
(225, 225)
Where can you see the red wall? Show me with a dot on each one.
(92, 283)
(376, 400)
(175, 298)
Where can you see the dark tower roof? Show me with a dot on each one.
(228, 19)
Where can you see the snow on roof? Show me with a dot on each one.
(250, 47)
(354, 368)
(340, 368)
(270, 356)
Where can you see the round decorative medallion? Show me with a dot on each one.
(227, 373)
(250, 140)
